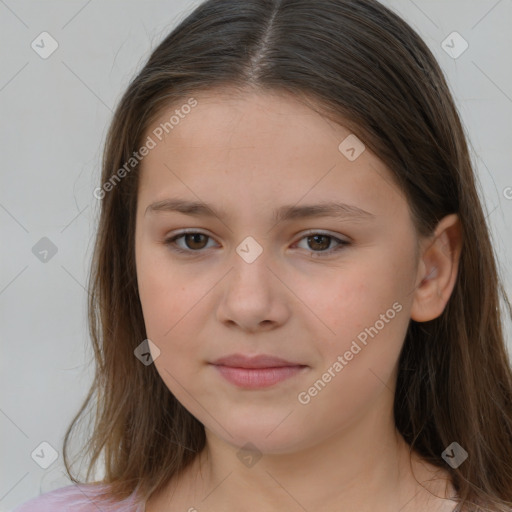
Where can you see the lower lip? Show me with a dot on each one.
(256, 378)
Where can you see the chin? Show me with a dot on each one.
(280, 441)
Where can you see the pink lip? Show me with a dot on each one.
(256, 371)
(259, 361)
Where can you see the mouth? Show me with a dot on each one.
(255, 372)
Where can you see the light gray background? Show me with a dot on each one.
(54, 117)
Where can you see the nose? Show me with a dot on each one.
(254, 296)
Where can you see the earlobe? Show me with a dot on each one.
(437, 271)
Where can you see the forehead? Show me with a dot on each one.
(247, 117)
(242, 145)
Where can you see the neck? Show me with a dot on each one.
(364, 466)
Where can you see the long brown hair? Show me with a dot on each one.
(357, 63)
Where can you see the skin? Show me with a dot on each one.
(247, 153)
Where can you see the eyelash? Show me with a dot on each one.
(171, 243)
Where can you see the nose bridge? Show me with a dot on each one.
(251, 262)
(254, 242)
(252, 282)
(251, 294)
(250, 250)
(254, 296)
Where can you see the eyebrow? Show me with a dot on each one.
(284, 213)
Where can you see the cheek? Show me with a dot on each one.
(358, 358)
(166, 299)
(168, 304)
(361, 314)
(343, 301)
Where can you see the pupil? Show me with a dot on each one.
(320, 236)
(194, 237)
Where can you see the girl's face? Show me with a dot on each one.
(268, 273)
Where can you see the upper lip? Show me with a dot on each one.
(258, 361)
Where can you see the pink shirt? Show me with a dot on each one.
(79, 498)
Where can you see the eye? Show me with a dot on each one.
(195, 241)
(321, 242)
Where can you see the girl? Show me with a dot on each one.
(294, 298)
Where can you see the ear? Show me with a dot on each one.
(437, 269)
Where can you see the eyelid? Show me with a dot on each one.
(309, 232)
(342, 240)
(170, 241)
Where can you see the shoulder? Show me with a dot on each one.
(78, 498)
